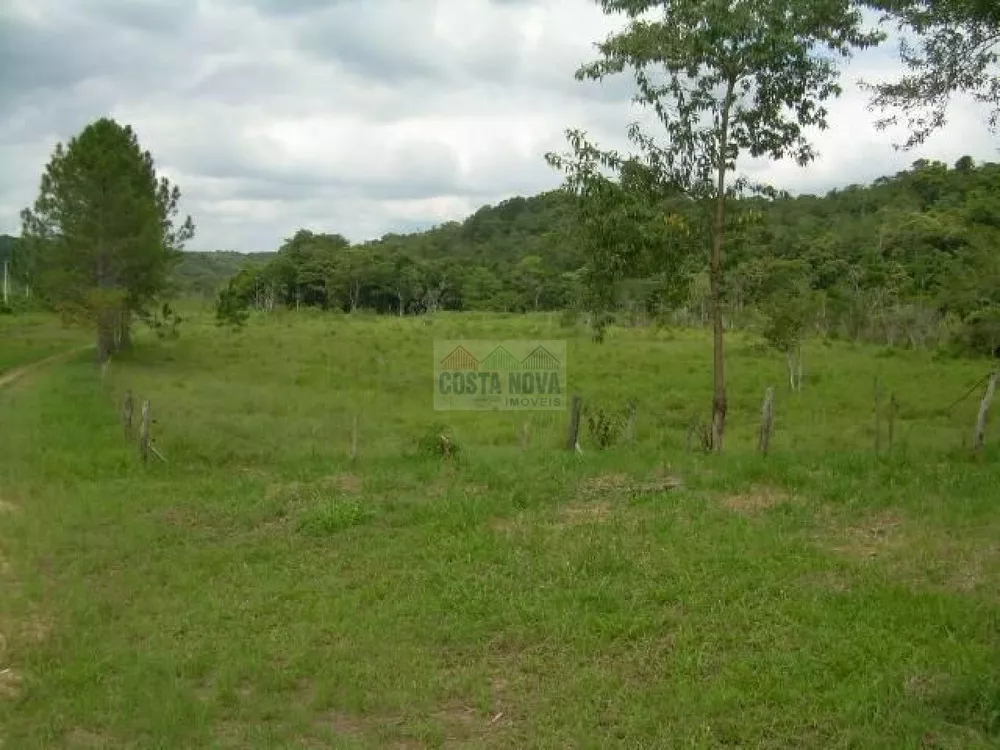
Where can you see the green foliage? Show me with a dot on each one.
(904, 261)
(202, 274)
(330, 515)
(724, 80)
(165, 322)
(438, 442)
(955, 49)
(786, 300)
(231, 307)
(101, 237)
(604, 426)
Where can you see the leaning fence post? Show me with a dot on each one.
(878, 416)
(573, 438)
(766, 420)
(354, 438)
(127, 408)
(984, 409)
(144, 433)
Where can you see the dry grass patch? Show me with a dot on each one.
(875, 536)
(295, 491)
(343, 724)
(85, 738)
(756, 500)
(458, 722)
(349, 484)
(919, 555)
(603, 485)
(827, 580)
(622, 485)
(10, 684)
(577, 514)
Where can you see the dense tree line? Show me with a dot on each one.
(908, 260)
(512, 257)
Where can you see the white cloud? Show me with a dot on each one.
(353, 116)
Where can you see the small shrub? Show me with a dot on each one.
(231, 309)
(604, 426)
(164, 322)
(600, 322)
(438, 442)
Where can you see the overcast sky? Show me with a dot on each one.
(356, 116)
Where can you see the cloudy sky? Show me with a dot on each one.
(356, 116)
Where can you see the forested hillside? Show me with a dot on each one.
(910, 259)
(202, 274)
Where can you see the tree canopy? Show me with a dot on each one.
(724, 80)
(102, 235)
(947, 47)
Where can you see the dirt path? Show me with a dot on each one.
(11, 376)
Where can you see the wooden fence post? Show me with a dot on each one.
(878, 416)
(573, 438)
(144, 432)
(984, 409)
(893, 407)
(127, 409)
(766, 420)
(354, 438)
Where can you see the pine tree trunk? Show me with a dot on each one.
(715, 281)
(125, 331)
(105, 335)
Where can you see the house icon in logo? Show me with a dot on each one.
(460, 359)
(500, 359)
(540, 359)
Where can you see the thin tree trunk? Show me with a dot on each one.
(105, 335)
(715, 280)
(798, 367)
(984, 409)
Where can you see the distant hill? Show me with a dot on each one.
(6, 247)
(202, 274)
(500, 234)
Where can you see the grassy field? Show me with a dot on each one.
(261, 590)
(29, 337)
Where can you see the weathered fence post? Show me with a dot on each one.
(525, 435)
(354, 438)
(630, 422)
(144, 432)
(127, 409)
(984, 409)
(766, 420)
(878, 416)
(573, 438)
(893, 407)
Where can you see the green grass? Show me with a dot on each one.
(261, 590)
(29, 337)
